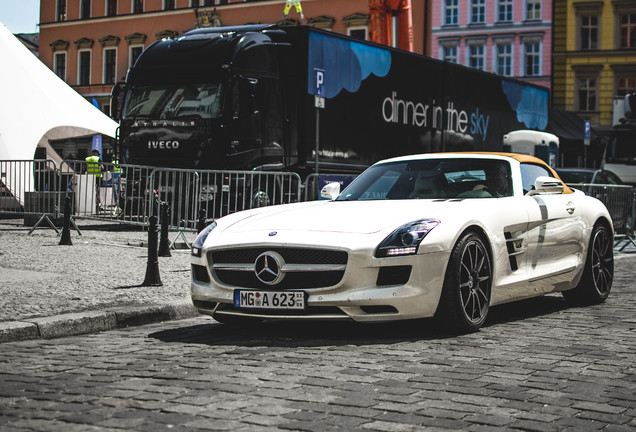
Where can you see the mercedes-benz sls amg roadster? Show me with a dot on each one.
(436, 235)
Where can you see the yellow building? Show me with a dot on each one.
(594, 58)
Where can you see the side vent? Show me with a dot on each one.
(512, 243)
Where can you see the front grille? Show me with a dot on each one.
(291, 255)
(312, 268)
(315, 311)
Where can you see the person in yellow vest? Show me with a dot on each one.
(94, 167)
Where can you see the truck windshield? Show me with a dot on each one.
(174, 102)
(621, 148)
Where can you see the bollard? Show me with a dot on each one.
(152, 269)
(65, 240)
(201, 221)
(164, 244)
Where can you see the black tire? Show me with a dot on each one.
(598, 274)
(465, 299)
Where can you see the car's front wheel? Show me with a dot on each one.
(465, 299)
(598, 275)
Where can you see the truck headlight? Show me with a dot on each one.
(406, 239)
(197, 246)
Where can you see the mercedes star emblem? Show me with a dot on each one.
(268, 268)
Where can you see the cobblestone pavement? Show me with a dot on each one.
(538, 365)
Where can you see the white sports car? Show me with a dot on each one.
(444, 235)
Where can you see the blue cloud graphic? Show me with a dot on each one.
(346, 63)
(530, 103)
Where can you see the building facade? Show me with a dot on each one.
(92, 43)
(594, 58)
(508, 37)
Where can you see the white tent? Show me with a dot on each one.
(37, 106)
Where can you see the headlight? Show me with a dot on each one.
(406, 239)
(198, 242)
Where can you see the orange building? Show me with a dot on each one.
(92, 43)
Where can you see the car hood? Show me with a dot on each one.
(328, 222)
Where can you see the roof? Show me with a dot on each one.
(567, 125)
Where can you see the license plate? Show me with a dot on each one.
(269, 299)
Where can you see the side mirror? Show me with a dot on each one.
(330, 191)
(117, 99)
(547, 185)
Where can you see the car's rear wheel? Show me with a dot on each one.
(465, 297)
(598, 275)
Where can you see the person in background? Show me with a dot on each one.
(94, 168)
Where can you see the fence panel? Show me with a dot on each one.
(619, 200)
(131, 194)
(225, 192)
(30, 188)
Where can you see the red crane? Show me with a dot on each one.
(391, 23)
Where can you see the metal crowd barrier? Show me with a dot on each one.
(620, 201)
(30, 188)
(131, 194)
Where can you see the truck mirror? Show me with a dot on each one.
(117, 99)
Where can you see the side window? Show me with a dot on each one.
(529, 174)
(613, 178)
(601, 178)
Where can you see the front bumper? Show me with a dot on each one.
(364, 293)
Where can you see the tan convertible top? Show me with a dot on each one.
(523, 158)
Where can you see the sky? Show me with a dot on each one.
(20, 16)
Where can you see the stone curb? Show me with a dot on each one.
(93, 321)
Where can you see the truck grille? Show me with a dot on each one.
(303, 268)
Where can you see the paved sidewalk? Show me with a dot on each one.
(48, 290)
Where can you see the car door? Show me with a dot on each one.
(555, 234)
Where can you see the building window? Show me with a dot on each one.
(195, 3)
(477, 11)
(628, 30)
(168, 4)
(359, 33)
(589, 32)
(59, 65)
(61, 10)
(138, 6)
(451, 12)
(111, 7)
(532, 57)
(476, 56)
(504, 58)
(110, 65)
(84, 68)
(587, 94)
(450, 53)
(135, 52)
(85, 9)
(625, 84)
(533, 9)
(504, 11)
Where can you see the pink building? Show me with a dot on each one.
(507, 37)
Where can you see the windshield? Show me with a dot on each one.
(432, 179)
(174, 102)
